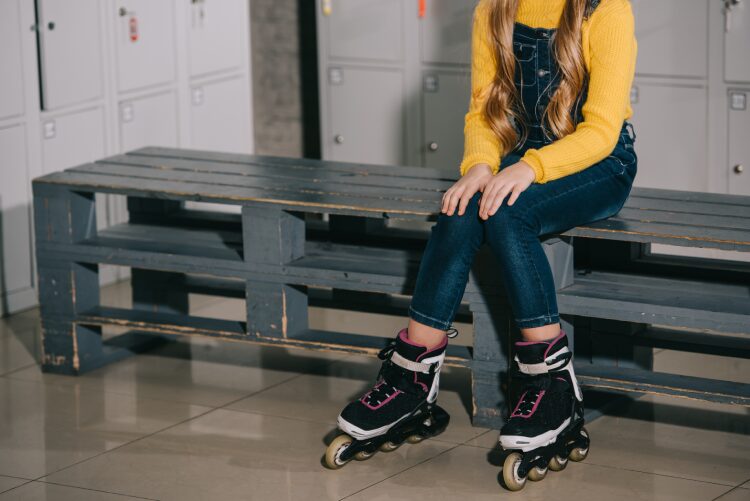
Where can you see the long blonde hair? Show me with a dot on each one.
(504, 101)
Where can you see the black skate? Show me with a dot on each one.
(400, 406)
(545, 428)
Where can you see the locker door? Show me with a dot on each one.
(72, 139)
(11, 84)
(363, 29)
(15, 238)
(672, 37)
(739, 146)
(216, 35)
(366, 117)
(145, 43)
(220, 116)
(670, 125)
(148, 121)
(70, 47)
(445, 101)
(446, 32)
(737, 43)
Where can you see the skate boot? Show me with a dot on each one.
(399, 407)
(545, 428)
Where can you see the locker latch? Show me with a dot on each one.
(132, 23)
(133, 28)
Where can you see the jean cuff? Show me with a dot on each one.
(541, 321)
(428, 320)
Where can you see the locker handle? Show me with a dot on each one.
(51, 25)
(339, 139)
(739, 169)
(433, 146)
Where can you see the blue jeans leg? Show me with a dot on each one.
(445, 266)
(513, 234)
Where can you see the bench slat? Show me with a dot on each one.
(659, 383)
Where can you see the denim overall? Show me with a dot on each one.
(513, 232)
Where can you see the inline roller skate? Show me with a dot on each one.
(399, 408)
(545, 429)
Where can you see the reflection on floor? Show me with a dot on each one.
(201, 419)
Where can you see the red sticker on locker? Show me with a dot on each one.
(133, 27)
(422, 8)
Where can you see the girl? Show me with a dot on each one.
(547, 147)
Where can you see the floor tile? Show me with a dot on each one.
(40, 491)
(7, 483)
(19, 341)
(737, 494)
(44, 428)
(322, 397)
(667, 436)
(237, 455)
(468, 473)
(204, 372)
(703, 365)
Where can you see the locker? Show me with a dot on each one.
(216, 35)
(672, 37)
(739, 146)
(366, 110)
(11, 83)
(145, 43)
(737, 43)
(445, 101)
(671, 143)
(15, 237)
(445, 32)
(72, 139)
(70, 48)
(363, 29)
(220, 116)
(148, 121)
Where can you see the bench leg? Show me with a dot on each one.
(275, 310)
(68, 288)
(489, 368)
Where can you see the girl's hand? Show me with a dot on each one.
(461, 192)
(513, 179)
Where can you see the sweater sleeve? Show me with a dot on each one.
(613, 50)
(480, 142)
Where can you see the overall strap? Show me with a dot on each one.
(591, 7)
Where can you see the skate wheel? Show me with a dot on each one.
(512, 480)
(363, 455)
(335, 449)
(580, 453)
(557, 463)
(536, 474)
(388, 447)
(414, 439)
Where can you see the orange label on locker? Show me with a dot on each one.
(133, 28)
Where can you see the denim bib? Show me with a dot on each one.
(537, 77)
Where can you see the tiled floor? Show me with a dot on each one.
(206, 420)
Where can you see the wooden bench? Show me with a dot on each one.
(314, 233)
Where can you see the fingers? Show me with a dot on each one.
(497, 200)
(451, 199)
(464, 202)
(515, 194)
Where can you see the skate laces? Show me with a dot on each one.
(392, 380)
(534, 388)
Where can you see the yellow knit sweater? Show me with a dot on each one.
(609, 51)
